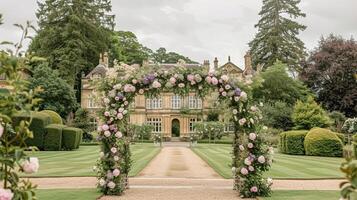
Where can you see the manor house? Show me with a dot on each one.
(171, 115)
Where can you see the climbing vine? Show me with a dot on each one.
(251, 157)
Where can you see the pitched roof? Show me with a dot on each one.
(99, 69)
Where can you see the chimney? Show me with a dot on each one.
(104, 59)
(229, 58)
(215, 63)
(206, 63)
(248, 60)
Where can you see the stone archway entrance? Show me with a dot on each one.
(175, 128)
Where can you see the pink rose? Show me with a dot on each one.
(156, 84)
(107, 133)
(221, 90)
(190, 77)
(252, 136)
(120, 116)
(244, 171)
(31, 165)
(261, 159)
(116, 172)
(241, 147)
(114, 150)
(105, 127)
(224, 78)
(214, 81)
(254, 189)
(111, 185)
(118, 134)
(120, 110)
(224, 94)
(242, 121)
(6, 194)
(173, 80)
(250, 145)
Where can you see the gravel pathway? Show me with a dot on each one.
(177, 173)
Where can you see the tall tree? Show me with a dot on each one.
(331, 72)
(72, 34)
(277, 35)
(126, 48)
(162, 56)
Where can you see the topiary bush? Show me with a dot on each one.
(53, 137)
(37, 126)
(71, 138)
(294, 142)
(55, 117)
(323, 142)
(282, 143)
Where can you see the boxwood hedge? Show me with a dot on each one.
(53, 137)
(323, 142)
(294, 142)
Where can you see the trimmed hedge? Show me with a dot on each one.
(37, 126)
(53, 137)
(55, 117)
(71, 138)
(323, 142)
(294, 142)
(341, 136)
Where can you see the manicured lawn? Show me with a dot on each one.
(284, 166)
(68, 194)
(303, 195)
(81, 161)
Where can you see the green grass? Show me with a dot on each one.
(86, 194)
(303, 195)
(284, 166)
(67, 194)
(80, 162)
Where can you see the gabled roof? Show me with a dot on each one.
(230, 64)
(99, 69)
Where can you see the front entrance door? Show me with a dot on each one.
(175, 128)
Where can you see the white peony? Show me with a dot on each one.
(118, 134)
(261, 159)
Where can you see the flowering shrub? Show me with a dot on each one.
(13, 100)
(119, 93)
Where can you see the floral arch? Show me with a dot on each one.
(251, 157)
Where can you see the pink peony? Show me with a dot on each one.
(5, 194)
(156, 84)
(129, 88)
(250, 145)
(251, 168)
(120, 116)
(242, 121)
(107, 133)
(118, 134)
(244, 171)
(31, 165)
(214, 81)
(261, 159)
(105, 127)
(173, 80)
(241, 147)
(111, 185)
(1, 129)
(114, 150)
(252, 136)
(116, 172)
(190, 77)
(254, 189)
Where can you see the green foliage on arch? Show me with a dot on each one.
(251, 157)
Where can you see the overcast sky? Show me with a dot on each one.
(201, 29)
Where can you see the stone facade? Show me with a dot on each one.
(168, 113)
